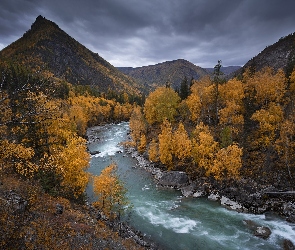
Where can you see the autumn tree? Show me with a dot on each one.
(266, 86)
(269, 122)
(181, 143)
(137, 125)
(285, 145)
(166, 144)
(110, 191)
(204, 148)
(160, 105)
(231, 114)
(201, 101)
(227, 163)
(153, 151)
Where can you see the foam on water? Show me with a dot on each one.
(161, 218)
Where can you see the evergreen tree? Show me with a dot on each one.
(184, 89)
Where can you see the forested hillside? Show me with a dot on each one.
(280, 55)
(48, 49)
(242, 128)
(43, 162)
(171, 72)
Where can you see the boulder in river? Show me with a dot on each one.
(259, 231)
(288, 245)
(262, 232)
(176, 179)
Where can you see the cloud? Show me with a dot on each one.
(137, 33)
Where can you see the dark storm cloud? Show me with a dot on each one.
(136, 33)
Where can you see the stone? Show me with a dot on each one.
(16, 202)
(176, 179)
(224, 201)
(95, 152)
(214, 197)
(59, 208)
(188, 190)
(288, 245)
(262, 232)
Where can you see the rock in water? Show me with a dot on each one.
(262, 232)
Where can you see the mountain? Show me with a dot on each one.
(280, 55)
(225, 70)
(48, 48)
(158, 75)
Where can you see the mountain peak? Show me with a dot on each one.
(47, 46)
(42, 22)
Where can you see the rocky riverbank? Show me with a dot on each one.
(244, 195)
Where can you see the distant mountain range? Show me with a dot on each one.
(45, 46)
(225, 70)
(172, 72)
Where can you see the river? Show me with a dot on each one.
(171, 220)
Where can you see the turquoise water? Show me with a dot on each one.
(171, 220)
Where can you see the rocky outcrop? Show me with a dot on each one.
(233, 205)
(175, 179)
(15, 202)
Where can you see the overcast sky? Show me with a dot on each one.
(133, 33)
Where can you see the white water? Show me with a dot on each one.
(175, 222)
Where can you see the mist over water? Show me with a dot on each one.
(171, 220)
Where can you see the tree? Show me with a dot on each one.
(269, 120)
(204, 148)
(181, 143)
(217, 80)
(110, 192)
(137, 125)
(227, 163)
(166, 144)
(184, 89)
(201, 101)
(160, 105)
(153, 151)
(285, 145)
(266, 86)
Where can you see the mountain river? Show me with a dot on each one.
(168, 218)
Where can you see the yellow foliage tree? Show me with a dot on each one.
(110, 191)
(153, 151)
(70, 162)
(269, 120)
(161, 104)
(142, 145)
(231, 115)
(227, 163)
(204, 147)
(137, 125)
(266, 86)
(181, 143)
(166, 144)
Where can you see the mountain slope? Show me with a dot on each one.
(45, 46)
(171, 71)
(280, 55)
